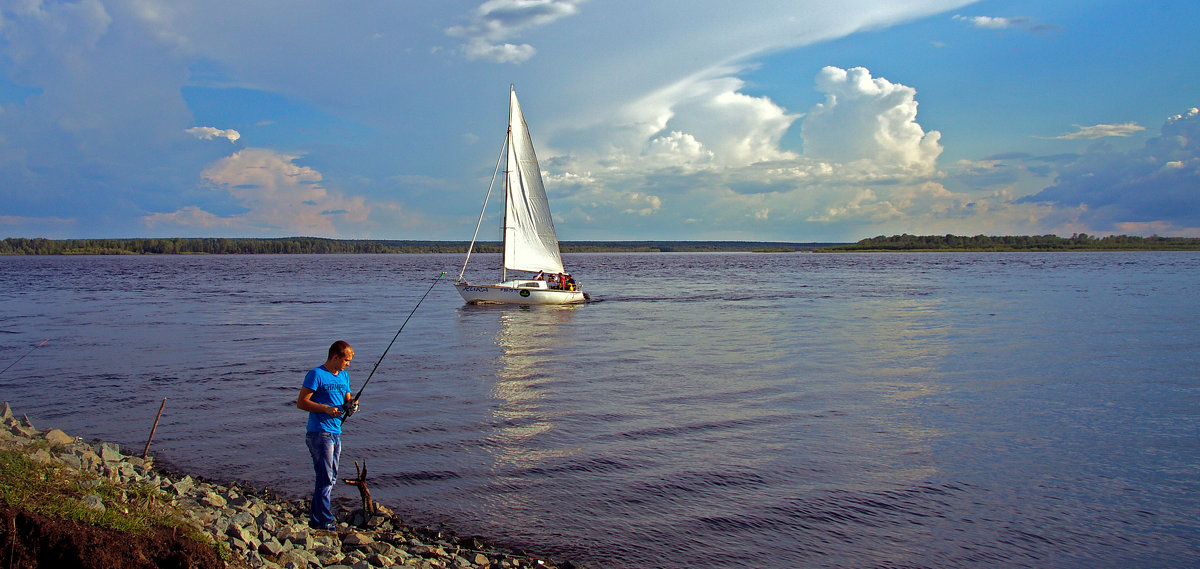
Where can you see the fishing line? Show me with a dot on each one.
(23, 355)
(354, 403)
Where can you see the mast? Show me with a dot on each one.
(507, 188)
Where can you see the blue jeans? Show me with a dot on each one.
(326, 449)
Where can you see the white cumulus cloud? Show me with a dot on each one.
(868, 118)
(278, 196)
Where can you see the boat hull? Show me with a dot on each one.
(501, 294)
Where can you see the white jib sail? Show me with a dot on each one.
(530, 243)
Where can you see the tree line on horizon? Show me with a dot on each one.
(986, 243)
(318, 245)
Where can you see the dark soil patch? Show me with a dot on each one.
(32, 541)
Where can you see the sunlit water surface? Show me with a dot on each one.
(716, 410)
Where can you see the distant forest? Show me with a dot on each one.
(316, 245)
(1077, 242)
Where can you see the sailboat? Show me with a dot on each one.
(530, 243)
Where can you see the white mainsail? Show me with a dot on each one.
(530, 243)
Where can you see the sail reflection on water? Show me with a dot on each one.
(526, 373)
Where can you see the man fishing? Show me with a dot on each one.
(326, 395)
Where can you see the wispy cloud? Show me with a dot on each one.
(1002, 23)
(209, 133)
(1100, 131)
(496, 21)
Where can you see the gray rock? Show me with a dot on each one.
(300, 557)
(294, 533)
(327, 540)
(357, 540)
(71, 460)
(242, 519)
(110, 452)
(93, 502)
(326, 557)
(270, 547)
(42, 456)
(381, 560)
(238, 532)
(88, 458)
(183, 486)
(213, 499)
(381, 548)
(57, 437)
(254, 559)
(266, 522)
(22, 431)
(5, 412)
(255, 507)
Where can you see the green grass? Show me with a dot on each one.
(55, 491)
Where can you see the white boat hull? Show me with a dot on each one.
(505, 293)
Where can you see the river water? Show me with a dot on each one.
(716, 410)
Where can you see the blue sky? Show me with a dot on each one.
(795, 121)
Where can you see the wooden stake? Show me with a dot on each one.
(154, 428)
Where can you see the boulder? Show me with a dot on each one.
(110, 452)
(213, 499)
(357, 540)
(182, 486)
(57, 437)
(299, 557)
(271, 547)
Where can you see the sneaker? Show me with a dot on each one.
(325, 527)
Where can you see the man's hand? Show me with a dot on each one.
(351, 408)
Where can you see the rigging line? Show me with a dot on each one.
(25, 354)
(389, 346)
(503, 145)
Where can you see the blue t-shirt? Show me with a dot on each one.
(328, 389)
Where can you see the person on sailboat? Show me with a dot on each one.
(325, 394)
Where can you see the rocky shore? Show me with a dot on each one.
(249, 528)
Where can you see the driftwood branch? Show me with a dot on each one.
(361, 483)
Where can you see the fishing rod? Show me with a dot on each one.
(23, 355)
(353, 406)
